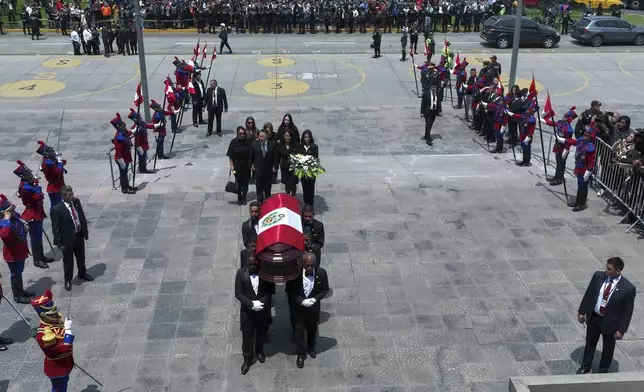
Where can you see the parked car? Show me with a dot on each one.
(606, 4)
(634, 4)
(500, 31)
(598, 30)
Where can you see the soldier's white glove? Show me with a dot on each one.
(527, 140)
(177, 111)
(68, 325)
(484, 104)
(565, 153)
(560, 139)
(257, 306)
(158, 125)
(140, 150)
(509, 113)
(587, 175)
(503, 129)
(121, 163)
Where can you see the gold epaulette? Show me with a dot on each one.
(60, 356)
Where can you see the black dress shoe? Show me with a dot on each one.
(85, 277)
(520, 163)
(422, 137)
(28, 294)
(219, 134)
(22, 300)
(583, 370)
(195, 125)
(244, 368)
(602, 371)
(3, 348)
(68, 286)
(208, 134)
(312, 353)
(261, 357)
(300, 361)
(40, 264)
(202, 122)
(5, 340)
(48, 259)
(579, 208)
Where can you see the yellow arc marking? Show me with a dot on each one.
(31, 88)
(276, 88)
(62, 63)
(276, 62)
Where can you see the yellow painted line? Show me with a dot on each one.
(31, 88)
(363, 77)
(62, 63)
(276, 88)
(627, 72)
(581, 74)
(276, 62)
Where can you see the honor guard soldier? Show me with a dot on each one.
(53, 167)
(159, 124)
(313, 231)
(461, 81)
(470, 94)
(140, 130)
(527, 124)
(56, 340)
(122, 152)
(429, 110)
(33, 199)
(585, 155)
(15, 250)
(563, 129)
(501, 118)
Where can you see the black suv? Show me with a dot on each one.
(500, 31)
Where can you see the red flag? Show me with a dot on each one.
(547, 108)
(458, 59)
(191, 87)
(532, 90)
(214, 53)
(203, 53)
(138, 97)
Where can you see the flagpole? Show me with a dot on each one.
(138, 112)
(543, 148)
(214, 52)
(165, 97)
(204, 54)
(554, 132)
(411, 53)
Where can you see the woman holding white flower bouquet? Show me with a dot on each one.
(284, 151)
(308, 148)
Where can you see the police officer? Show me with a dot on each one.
(377, 37)
(403, 44)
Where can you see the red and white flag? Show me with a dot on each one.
(138, 96)
(195, 51)
(532, 90)
(280, 222)
(547, 108)
(203, 52)
(214, 53)
(457, 62)
(169, 91)
(191, 87)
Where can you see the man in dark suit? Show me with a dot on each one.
(70, 233)
(216, 104)
(263, 154)
(254, 295)
(304, 295)
(198, 99)
(607, 308)
(313, 233)
(250, 227)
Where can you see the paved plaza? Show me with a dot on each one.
(451, 268)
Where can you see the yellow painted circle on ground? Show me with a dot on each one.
(276, 88)
(67, 62)
(31, 88)
(277, 75)
(276, 62)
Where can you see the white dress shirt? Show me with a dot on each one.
(214, 97)
(254, 280)
(75, 37)
(600, 297)
(308, 282)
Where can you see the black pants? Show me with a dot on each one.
(290, 182)
(593, 332)
(413, 44)
(376, 49)
(253, 334)
(77, 251)
(263, 185)
(197, 112)
(221, 47)
(133, 47)
(306, 328)
(212, 115)
(106, 45)
(561, 166)
(429, 122)
(308, 191)
(76, 45)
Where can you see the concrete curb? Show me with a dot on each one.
(624, 382)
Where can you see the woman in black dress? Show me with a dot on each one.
(308, 147)
(284, 151)
(251, 129)
(238, 156)
(287, 124)
(270, 136)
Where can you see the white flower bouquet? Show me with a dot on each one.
(305, 166)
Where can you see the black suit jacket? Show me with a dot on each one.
(264, 165)
(619, 309)
(314, 234)
(199, 96)
(313, 150)
(222, 101)
(246, 295)
(295, 291)
(63, 224)
(248, 232)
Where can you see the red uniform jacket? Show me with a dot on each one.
(59, 357)
(55, 174)
(33, 200)
(14, 237)
(564, 130)
(122, 146)
(159, 117)
(585, 155)
(526, 125)
(500, 115)
(141, 136)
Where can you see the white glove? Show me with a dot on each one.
(560, 139)
(158, 125)
(177, 111)
(503, 129)
(587, 175)
(313, 301)
(565, 153)
(140, 150)
(68, 325)
(121, 163)
(257, 306)
(484, 104)
(134, 128)
(527, 140)
(307, 302)
(509, 113)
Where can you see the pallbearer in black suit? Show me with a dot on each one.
(247, 251)
(313, 233)
(607, 308)
(238, 157)
(217, 103)
(263, 161)
(250, 227)
(304, 296)
(254, 295)
(308, 147)
(287, 147)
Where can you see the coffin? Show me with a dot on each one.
(280, 241)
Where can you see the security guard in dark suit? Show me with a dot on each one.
(313, 233)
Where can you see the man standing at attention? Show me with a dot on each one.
(607, 308)
(216, 103)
